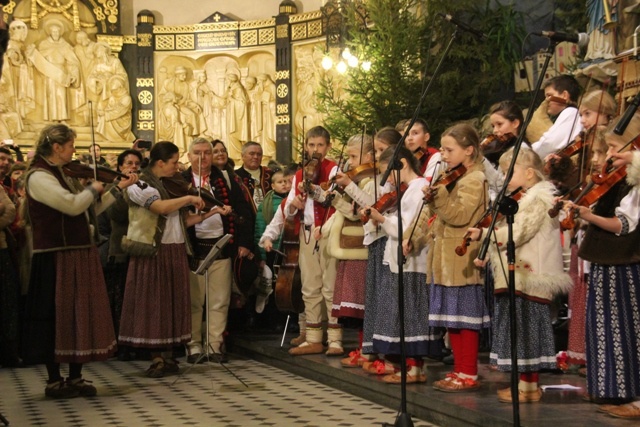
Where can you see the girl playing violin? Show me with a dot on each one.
(612, 245)
(416, 297)
(375, 239)
(506, 119)
(457, 300)
(344, 235)
(539, 276)
(597, 108)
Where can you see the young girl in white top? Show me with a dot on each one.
(416, 294)
(538, 271)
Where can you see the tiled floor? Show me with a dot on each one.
(207, 395)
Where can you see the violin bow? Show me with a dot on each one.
(200, 174)
(415, 223)
(375, 180)
(93, 143)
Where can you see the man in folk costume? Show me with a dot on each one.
(204, 236)
(318, 270)
(255, 177)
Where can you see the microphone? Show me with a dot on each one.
(581, 39)
(463, 26)
(627, 116)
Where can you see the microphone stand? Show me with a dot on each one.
(404, 419)
(509, 207)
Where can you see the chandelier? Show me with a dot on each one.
(335, 21)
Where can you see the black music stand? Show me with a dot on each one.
(203, 269)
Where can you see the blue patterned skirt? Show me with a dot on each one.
(373, 306)
(419, 337)
(613, 331)
(460, 307)
(536, 348)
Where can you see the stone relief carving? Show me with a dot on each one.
(51, 74)
(217, 97)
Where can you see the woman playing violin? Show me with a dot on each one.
(457, 300)
(612, 245)
(67, 316)
(115, 272)
(155, 311)
(539, 276)
(386, 328)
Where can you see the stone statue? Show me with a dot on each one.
(114, 113)
(188, 109)
(170, 124)
(203, 96)
(237, 116)
(267, 89)
(18, 71)
(10, 121)
(104, 67)
(307, 79)
(85, 51)
(255, 108)
(59, 66)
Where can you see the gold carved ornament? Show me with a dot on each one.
(282, 90)
(145, 97)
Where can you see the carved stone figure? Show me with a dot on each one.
(255, 108)
(237, 116)
(307, 79)
(59, 66)
(114, 113)
(203, 96)
(104, 67)
(18, 72)
(170, 124)
(267, 90)
(188, 109)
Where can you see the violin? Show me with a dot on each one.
(485, 221)
(592, 193)
(560, 100)
(78, 170)
(494, 143)
(177, 186)
(384, 203)
(448, 177)
(357, 174)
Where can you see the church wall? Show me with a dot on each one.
(170, 12)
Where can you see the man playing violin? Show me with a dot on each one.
(204, 236)
(318, 270)
(417, 141)
(562, 93)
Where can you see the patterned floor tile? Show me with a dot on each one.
(206, 395)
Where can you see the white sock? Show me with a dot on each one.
(465, 376)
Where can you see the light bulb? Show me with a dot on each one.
(353, 61)
(366, 65)
(341, 67)
(327, 62)
(346, 53)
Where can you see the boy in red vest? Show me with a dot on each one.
(318, 270)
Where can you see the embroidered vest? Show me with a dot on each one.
(52, 229)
